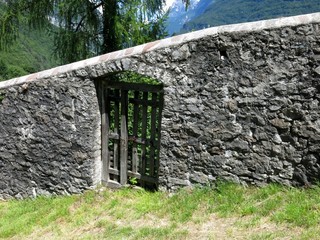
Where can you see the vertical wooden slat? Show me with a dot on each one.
(124, 139)
(146, 123)
(153, 126)
(158, 133)
(144, 133)
(105, 135)
(116, 158)
(135, 157)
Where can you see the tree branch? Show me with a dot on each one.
(80, 23)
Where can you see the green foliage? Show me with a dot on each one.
(133, 180)
(8, 26)
(2, 95)
(132, 77)
(3, 70)
(13, 71)
(31, 52)
(222, 12)
(87, 28)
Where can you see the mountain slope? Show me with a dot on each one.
(31, 52)
(221, 12)
(178, 15)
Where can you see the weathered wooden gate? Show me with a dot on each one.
(131, 122)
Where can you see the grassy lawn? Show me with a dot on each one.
(227, 211)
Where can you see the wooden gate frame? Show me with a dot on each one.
(123, 138)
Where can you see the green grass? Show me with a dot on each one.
(226, 211)
(20, 217)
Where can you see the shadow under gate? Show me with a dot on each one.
(131, 132)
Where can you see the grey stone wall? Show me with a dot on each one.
(244, 107)
(49, 141)
(241, 104)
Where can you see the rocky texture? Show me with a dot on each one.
(244, 107)
(49, 138)
(240, 105)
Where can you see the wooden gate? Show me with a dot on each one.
(131, 122)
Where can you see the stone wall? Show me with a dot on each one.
(241, 104)
(244, 107)
(49, 138)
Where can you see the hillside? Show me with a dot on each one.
(221, 12)
(178, 15)
(31, 52)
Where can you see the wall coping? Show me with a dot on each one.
(167, 42)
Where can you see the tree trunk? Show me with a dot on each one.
(110, 40)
